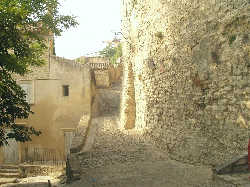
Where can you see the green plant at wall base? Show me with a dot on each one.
(232, 38)
(81, 60)
(215, 57)
(113, 53)
(159, 35)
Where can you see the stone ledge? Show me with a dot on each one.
(7, 180)
(235, 165)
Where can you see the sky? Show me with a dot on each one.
(98, 20)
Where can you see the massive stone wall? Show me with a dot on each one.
(187, 75)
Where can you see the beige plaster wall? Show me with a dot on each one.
(53, 111)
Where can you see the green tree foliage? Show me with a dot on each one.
(12, 106)
(112, 52)
(81, 60)
(23, 25)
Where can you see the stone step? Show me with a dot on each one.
(9, 175)
(9, 170)
(7, 180)
(9, 167)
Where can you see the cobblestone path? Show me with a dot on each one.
(125, 158)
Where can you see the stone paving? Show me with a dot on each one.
(126, 158)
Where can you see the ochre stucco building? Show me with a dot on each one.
(60, 93)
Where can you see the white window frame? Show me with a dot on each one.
(28, 85)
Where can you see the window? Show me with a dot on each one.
(27, 86)
(65, 90)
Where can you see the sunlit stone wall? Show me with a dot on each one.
(187, 75)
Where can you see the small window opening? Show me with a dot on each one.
(65, 90)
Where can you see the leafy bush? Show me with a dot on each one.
(113, 53)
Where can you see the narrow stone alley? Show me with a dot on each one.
(173, 109)
(125, 158)
(115, 157)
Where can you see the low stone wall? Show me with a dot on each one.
(105, 77)
(102, 78)
(81, 134)
(77, 146)
(102, 66)
(40, 170)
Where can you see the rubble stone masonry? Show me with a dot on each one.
(187, 76)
